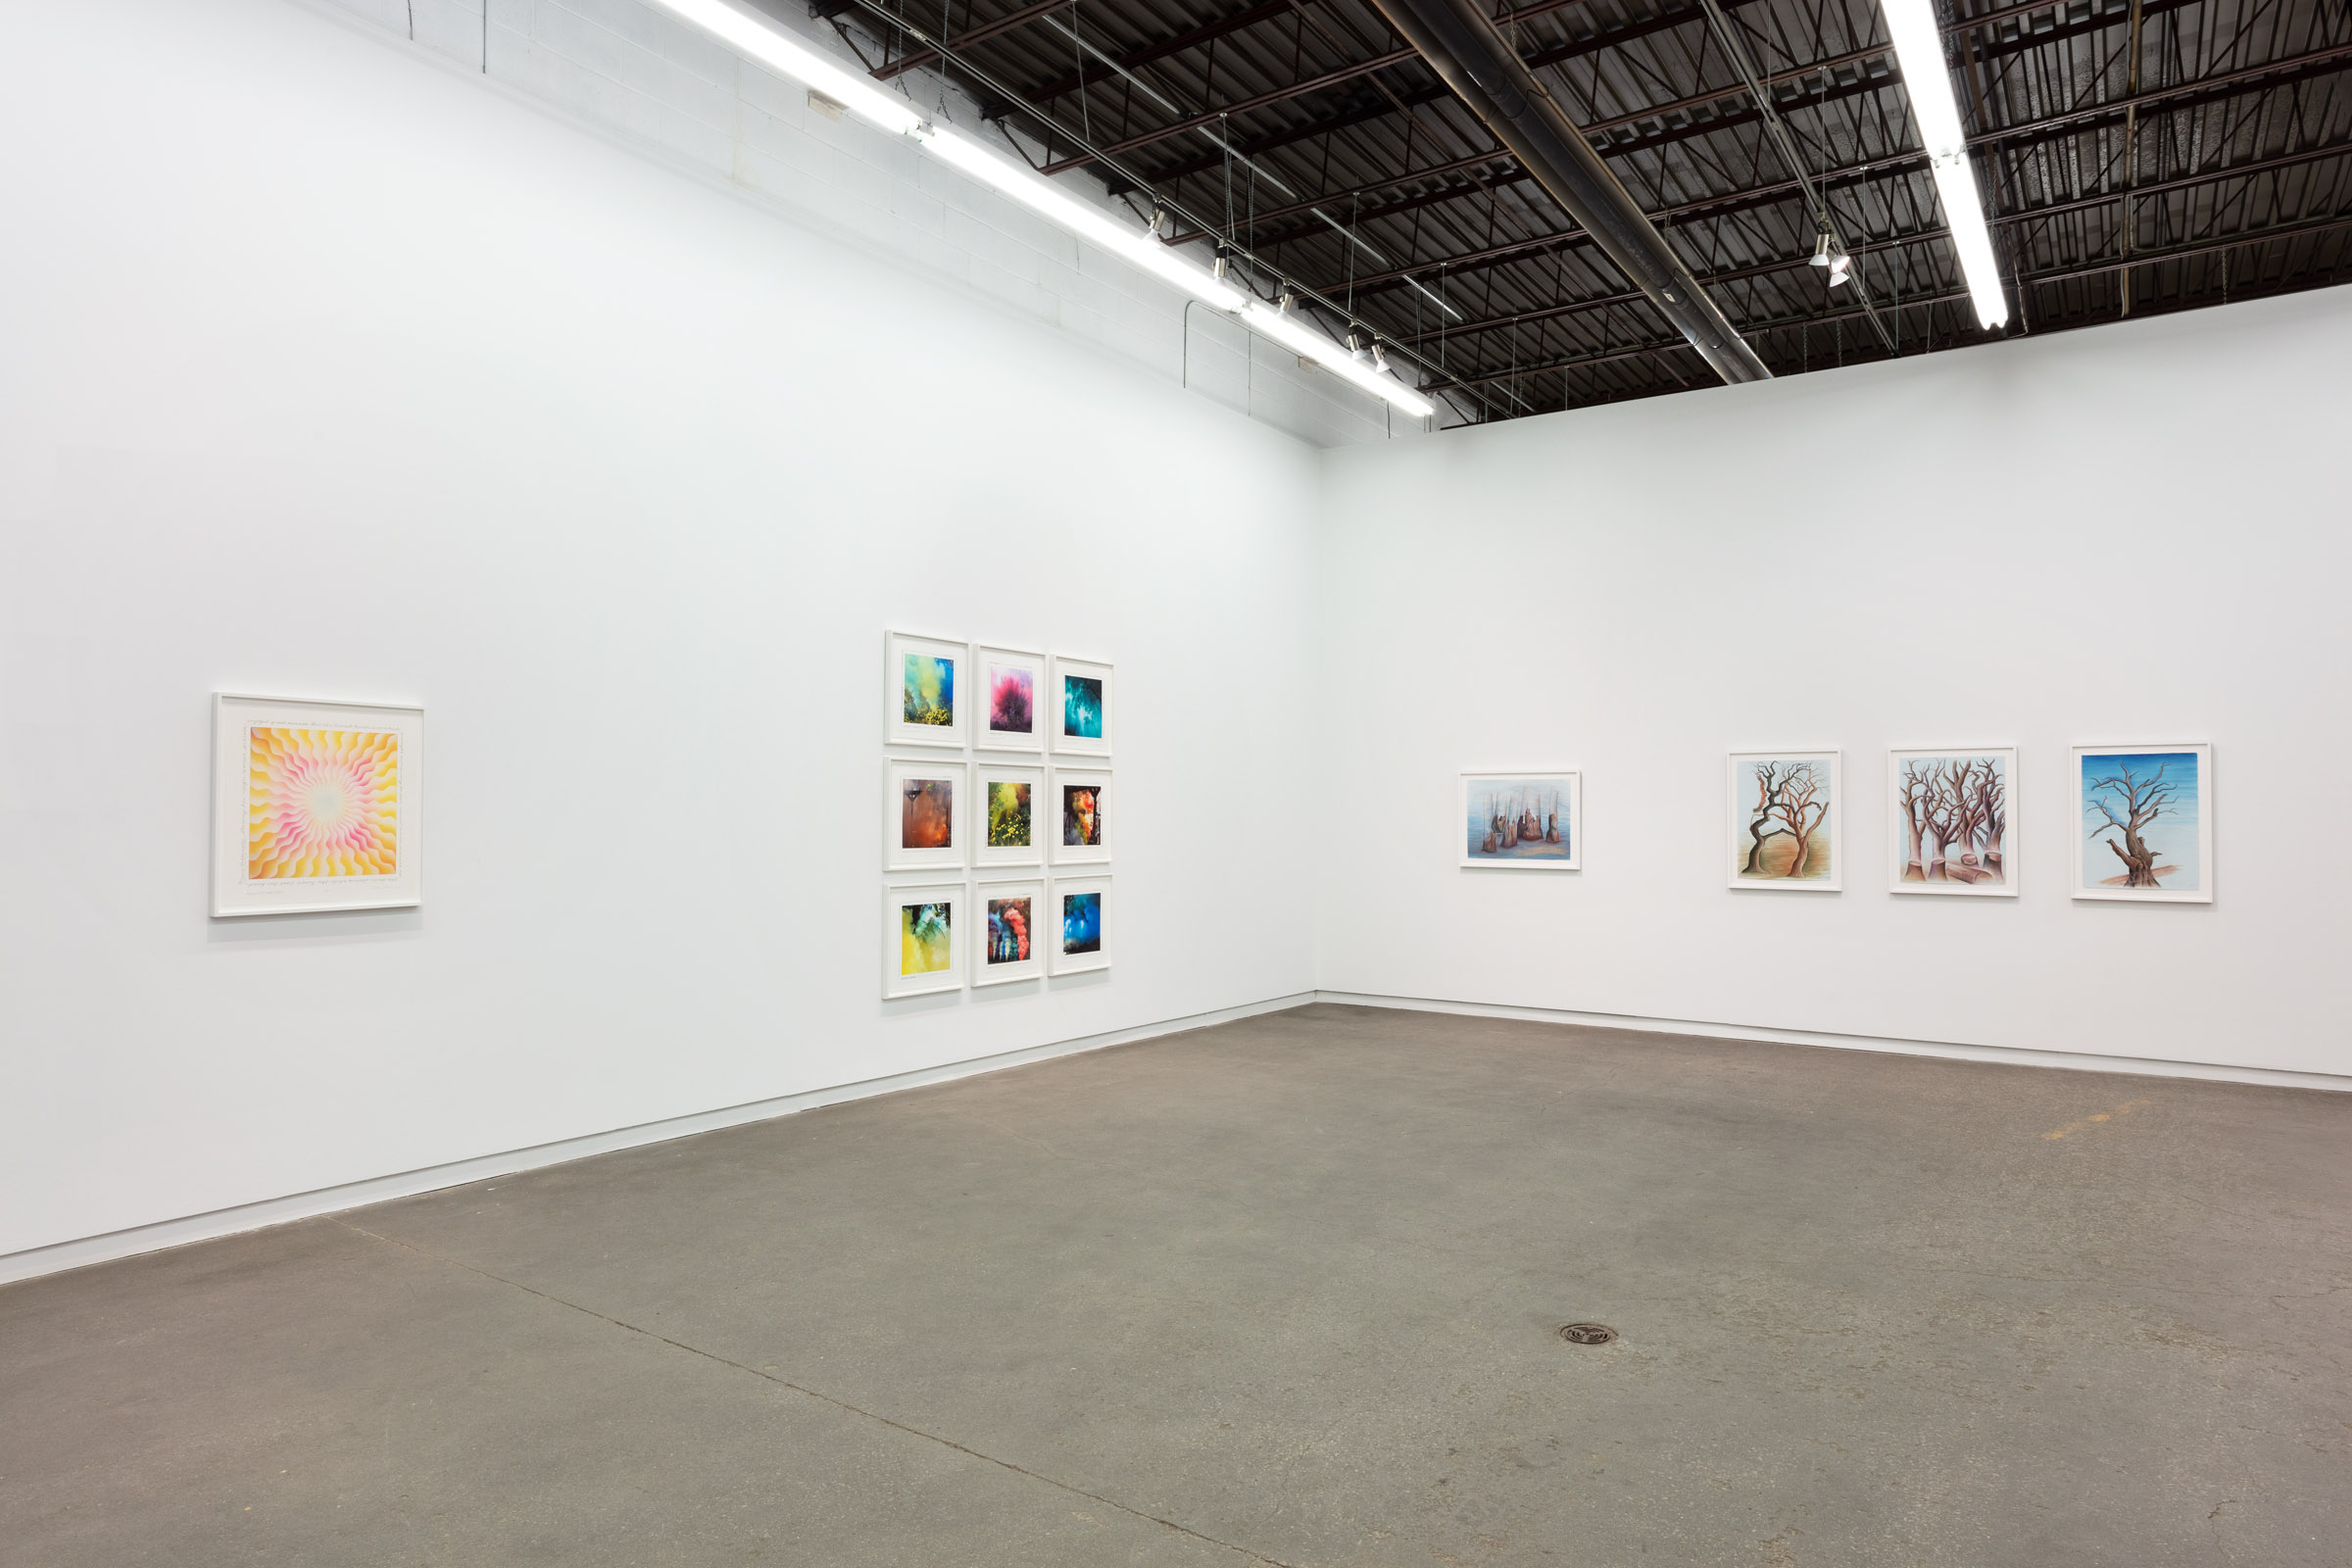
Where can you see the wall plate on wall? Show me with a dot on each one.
(1525, 819)
(1083, 707)
(316, 805)
(925, 819)
(1079, 812)
(922, 939)
(1952, 814)
(1078, 924)
(1010, 710)
(925, 689)
(1010, 926)
(2143, 822)
(1783, 808)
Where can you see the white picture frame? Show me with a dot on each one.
(912, 812)
(1813, 772)
(1008, 683)
(996, 932)
(1952, 821)
(1062, 934)
(984, 817)
(2112, 786)
(1490, 810)
(317, 806)
(1080, 805)
(910, 689)
(1070, 708)
(914, 961)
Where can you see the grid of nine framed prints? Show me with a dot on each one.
(996, 814)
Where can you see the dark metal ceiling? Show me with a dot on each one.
(2211, 159)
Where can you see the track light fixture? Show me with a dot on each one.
(759, 40)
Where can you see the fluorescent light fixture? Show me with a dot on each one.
(1917, 39)
(852, 90)
(760, 42)
(1081, 217)
(1303, 340)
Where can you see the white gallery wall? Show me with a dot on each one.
(332, 373)
(2123, 535)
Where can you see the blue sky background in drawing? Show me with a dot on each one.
(2173, 835)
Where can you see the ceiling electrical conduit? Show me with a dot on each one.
(1473, 59)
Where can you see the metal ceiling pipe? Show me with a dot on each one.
(1471, 57)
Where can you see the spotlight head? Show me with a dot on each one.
(1821, 249)
(1839, 265)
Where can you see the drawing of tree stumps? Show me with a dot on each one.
(1955, 816)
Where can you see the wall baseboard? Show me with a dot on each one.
(62, 1256)
(2074, 1061)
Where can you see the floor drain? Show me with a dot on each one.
(1587, 1332)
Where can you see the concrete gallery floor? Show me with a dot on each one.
(1287, 1290)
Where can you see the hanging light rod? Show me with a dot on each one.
(891, 112)
(1918, 36)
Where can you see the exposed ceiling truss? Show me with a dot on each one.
(2136, 156)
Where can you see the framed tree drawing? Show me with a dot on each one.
(1082, 707)
(1952, 814)
(1080, 912)
(923, 690)
(1008, 715)
(922, 816)
(1081, 815)
(316, 805)
(1007, 919)
(2144, 823)
(1782, 807)
(922, 940)
(1010, 814)
(1532, 820)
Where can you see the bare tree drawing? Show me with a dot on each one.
(1911, 795)
(1993, 804)
(1955, 818)
(2142, 801)
(1791, 802)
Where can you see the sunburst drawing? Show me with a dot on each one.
(322, 802)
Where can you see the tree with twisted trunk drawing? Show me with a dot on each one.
(1792, 801)
(2128, 804)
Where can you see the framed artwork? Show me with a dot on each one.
(1012, 689)
(1783, 808)
(1080, 910)
(2144, 826)
(1082, 701)
(1005, 918)
(922, 809)
(1532, 820)
(1009, 814)
(315, 806)
(1952, 813)
(922, 940)
(1081, 815)
(922, 685)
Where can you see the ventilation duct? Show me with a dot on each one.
(1474, 59)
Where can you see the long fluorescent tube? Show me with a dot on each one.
(1082, 219)
(1088, 223)
(1917, 38)
(853, 89)
(1300, 338)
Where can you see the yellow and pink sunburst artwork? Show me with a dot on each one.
(322, 802)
